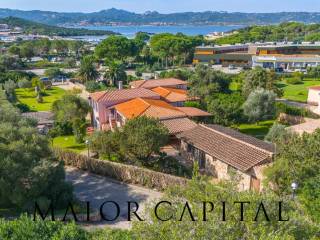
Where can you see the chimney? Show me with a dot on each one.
(120, 85)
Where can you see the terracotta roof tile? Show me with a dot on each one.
(194, 112)
(148, 107)
(179, 125)
(123, 95)
(172, 94)
(165, 82)
(236, 149)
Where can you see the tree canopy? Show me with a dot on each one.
(88, 71)
(28, 169)
(206, 82)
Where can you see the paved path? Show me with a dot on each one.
(98, 189)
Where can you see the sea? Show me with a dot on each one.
(130, 31)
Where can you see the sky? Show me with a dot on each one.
(164, 6)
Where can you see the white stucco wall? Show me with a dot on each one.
(313, 97)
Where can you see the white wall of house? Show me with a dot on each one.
(314, 96)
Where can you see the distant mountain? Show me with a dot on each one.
(49, 30)
(117, 16)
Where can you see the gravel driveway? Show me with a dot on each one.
(98, 189)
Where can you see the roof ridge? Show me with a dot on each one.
(236, 139)
(148, 105)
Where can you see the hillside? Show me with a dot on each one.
(124, 17)
(292, 31)
(30, 27)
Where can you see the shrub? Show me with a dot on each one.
(276, 131)
(24, 83)
(26, 228)
(92, 86)
(260, 105)
(23, 107)
(293, 81)
(295, 111)
(193, 104)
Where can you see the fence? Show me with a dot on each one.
(121, 172)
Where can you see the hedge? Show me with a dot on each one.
(118, 171)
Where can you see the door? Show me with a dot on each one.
(255, 184)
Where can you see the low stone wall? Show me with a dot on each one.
(121, 172)
(290, 119)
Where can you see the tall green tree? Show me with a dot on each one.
(71, 111)
(115, 48)
(226, 109)
(205, 82)
(28, 169)
(259, 78)
(141, 137)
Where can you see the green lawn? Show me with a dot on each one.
(28, 97)
(297, 92)
(69, 143)
(259, 130)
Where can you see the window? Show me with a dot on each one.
(190, 148)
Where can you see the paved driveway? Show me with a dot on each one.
(98, 189)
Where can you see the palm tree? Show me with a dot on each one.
(116, 72)
(88, 71)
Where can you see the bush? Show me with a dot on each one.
(260, 105)
(92, 86)
(295, 111)
(24, 83)
(276, 131)
(293, 81)
(23, 107)
(193, 104)
(26, 228)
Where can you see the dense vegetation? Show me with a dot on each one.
(30, 27)
(29, 172)
(291, 31)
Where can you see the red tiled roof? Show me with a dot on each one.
(148, 107)
(234, 148)
(123, 94)
(172, 94)
(194, 112)
(315, 88)
(165, 82)
(178, 125)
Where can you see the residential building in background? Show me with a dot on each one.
(280, 56)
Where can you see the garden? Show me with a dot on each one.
(28, 97)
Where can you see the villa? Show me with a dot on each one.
(222, 152)
(101, 103)
(176, 119)
(163, 99)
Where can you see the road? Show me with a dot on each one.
(98, 189)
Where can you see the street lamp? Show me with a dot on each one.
(88, 147)
(294, 187)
